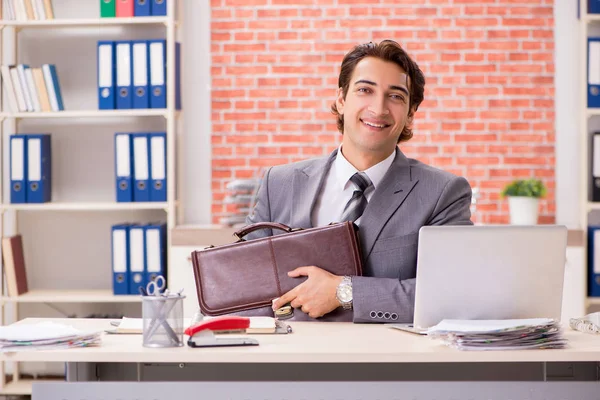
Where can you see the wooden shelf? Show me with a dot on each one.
(24, 386)
(85, 22)
(591, 17)
(85, 206)
(71, 296)
(591, 112)
(147, 112)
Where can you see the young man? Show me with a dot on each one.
(380, 89)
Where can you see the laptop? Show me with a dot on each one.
(488, 272)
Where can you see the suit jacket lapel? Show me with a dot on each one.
(388, 197)
(306, 186)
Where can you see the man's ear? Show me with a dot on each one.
(411, 115)
(340, 101)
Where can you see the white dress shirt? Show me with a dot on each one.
(338, 188)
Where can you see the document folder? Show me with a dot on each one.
(141, 8)
(108, 8)
(124, 72)
(39, 175)
(120, 259)
(593, 6)
(18, 169)
(106, 75)
(141, 162)
(158, 73)
(595, 167)
(156, 254)
(158, 166)
(593, 71)
(159, 7)
(53, 87)
(140, 74)
(593, 260)
(137, 259)
(124, 187)
(124, 8)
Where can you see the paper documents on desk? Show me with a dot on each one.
(507, 334)
(45, 335)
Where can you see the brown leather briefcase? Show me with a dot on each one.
(244, 277)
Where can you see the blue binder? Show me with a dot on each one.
(141, 167)
(120, 258)
(39, 173)
(18, 169)
(137, 259)
(593, 72)
(158, 73)
(158, 166)
(156, 253)
(593, 6)
(177, 75)
(594, 260)
(159, 7)
(124, 75)
(141, 8)
(123, 167)
(106, 75)
(141, 74)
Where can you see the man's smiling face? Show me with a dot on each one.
(375, 108)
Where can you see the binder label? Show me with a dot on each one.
(140, 65)
(140, 155)
(157, 144)
(105, 71)
(594, 63)
(119, 251)
(596, 251)
(136, 238)
(596, 161)
(157, 61)
(17, 159)
(124, 65)
(153, 250)
(123, 151)
(34, 160)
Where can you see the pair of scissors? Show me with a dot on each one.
(155, 287)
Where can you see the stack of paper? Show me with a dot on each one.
(508, 334)
(45, 336)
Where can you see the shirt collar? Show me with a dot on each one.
(345, 170)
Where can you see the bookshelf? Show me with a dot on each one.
(589, 26)
(82, 122)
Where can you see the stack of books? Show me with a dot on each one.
(508, 334)
(26, 10)
(32, 89)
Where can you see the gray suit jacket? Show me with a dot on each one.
(411, 195)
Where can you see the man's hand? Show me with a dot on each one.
(316, 295)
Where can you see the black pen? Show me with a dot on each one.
(142, 291)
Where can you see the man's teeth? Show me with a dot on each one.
(374, 125)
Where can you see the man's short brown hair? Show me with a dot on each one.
(386, 50)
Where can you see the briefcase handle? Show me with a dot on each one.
(262, 225)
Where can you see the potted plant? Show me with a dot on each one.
(523, 198)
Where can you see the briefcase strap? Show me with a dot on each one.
(262, 225)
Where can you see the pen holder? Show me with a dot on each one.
(163, 321)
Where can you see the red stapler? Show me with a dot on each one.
(203, 333)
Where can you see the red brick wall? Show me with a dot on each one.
(488, 112)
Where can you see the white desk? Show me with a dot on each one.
(317, 352)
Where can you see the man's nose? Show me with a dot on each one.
(379, 107)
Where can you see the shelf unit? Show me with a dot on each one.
(587, 23)
(170, 24)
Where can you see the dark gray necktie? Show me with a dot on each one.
(358, 202)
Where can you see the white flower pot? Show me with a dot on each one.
(523, 210)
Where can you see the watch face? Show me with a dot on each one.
(345, 293)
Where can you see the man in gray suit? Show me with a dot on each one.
(370, 181)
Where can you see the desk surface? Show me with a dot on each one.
(311, 342)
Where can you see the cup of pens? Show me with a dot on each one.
(162, 313)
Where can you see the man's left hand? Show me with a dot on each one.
(316, 296)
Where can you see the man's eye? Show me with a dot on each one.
(397, 97)
(364, 90)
